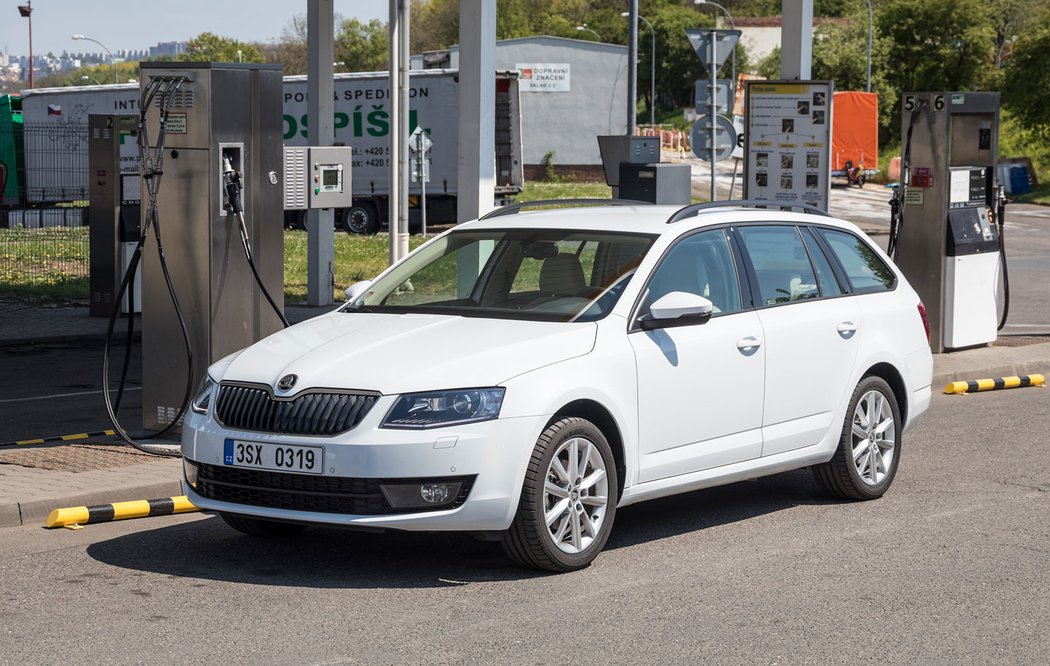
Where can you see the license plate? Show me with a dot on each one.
(275, 457)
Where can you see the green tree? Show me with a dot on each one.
(935, 45)
(362, 46)
(290, 50)
(840, 53)
(209, 47)
(1026, 89)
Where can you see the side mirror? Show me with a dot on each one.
(356, 289)
(678, 308)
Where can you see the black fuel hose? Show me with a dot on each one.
(232, 187)
(1000, 222)
(151, 170)
(897, 202)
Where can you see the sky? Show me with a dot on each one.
(126, 24)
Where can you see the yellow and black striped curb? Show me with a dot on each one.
(104, 513)
(59, 438)
(993, 384)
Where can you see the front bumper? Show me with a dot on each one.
(493, 454)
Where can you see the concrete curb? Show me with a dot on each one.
(36, 511)
(981, 363)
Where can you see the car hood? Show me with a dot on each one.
(408, 352)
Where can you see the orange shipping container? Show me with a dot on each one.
(855, 133)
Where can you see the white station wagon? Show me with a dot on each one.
(522, 376)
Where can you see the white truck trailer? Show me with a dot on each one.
(361, 121)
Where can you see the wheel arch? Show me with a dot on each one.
(597, 414)
(893, 377)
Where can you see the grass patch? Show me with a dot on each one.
(44, 265)
(356, 258)
(535, 191)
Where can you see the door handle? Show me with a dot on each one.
(750, 342)
(847, 328)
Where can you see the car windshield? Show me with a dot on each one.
(533, 274)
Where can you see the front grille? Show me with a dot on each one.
(307, 492)
(325, 414)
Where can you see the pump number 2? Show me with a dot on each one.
(275, 457)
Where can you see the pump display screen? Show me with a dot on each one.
(330, 178)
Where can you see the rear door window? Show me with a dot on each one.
(866, 271)
(781, 264)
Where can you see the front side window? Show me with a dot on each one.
(865, 270)
(781, 264)
(700, 264)
(534, 274)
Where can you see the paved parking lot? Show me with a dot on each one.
(949, 567)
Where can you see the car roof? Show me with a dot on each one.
(642, 218)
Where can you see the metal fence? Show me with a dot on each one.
(48, 265)
(43, 215)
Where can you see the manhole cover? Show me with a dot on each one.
(75, 457)
(1020, 340)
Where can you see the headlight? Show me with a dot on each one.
(203, 398)
(442, 408)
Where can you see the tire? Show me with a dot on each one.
(295, 219)
(362, 218)
(258, 527)
(868, 453)
(579, 531)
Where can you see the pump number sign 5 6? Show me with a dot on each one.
(788, 145)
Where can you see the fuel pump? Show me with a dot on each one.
(948, 214)
(211, 134)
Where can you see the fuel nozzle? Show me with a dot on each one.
(231, 184)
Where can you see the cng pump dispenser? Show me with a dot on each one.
(946, 229)
(223, 117)
(212, 133)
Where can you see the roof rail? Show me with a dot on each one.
(691, 211)
(515, 208)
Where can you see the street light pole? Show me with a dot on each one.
(26, 11)
(584, 28)
(871, 24)
(652, 74)
(116, 75)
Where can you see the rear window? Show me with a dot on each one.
(866, 271)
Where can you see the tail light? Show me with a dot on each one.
(925, 321)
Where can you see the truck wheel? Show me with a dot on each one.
(568, 500)
(362, 218)
(295, 219)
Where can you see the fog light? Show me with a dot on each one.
(189, 469)
(434, 493)
(421, 495)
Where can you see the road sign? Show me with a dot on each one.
(419, 142)
(414, 168)
(722, 96)
(725, 42)
(725, 138)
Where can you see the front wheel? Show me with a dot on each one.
(568, 499)
(869, 448)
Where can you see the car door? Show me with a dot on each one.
(812, 328)
(699, 386)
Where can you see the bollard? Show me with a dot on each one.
(993, 384)
(104, 513)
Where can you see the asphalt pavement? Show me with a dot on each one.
(949, 567)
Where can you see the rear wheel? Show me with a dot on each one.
(568, 500)
(868, 454)
(261, 528)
